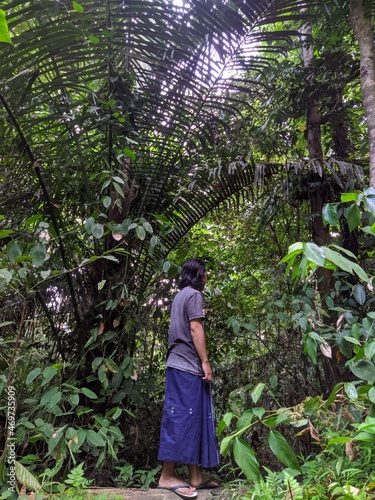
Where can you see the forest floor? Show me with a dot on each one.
(156, 494)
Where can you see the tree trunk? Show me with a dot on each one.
(363, 32)
(317, 194)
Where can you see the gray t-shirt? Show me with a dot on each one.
(187, 305)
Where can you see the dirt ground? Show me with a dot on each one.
(156, 494)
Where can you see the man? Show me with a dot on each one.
(188, 428)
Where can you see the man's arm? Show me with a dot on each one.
(199, 340)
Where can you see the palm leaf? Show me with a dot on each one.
(143, 76)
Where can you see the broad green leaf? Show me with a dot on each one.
(224, 445)
(360, 273)
(94, 39)
(257, 392)
(359, 293)
(140, 232)
(89, 393)
(4, 31)
(370, 350)
(371, 394)
(101, 284)
(364, 436)
(330, 215)
(48, 395)
(25, 477)
(347, 197)
(246, 460)
(127, 366)
(333, 395)
(363, 369)
(282, 451)
(111, 365)
(14, 250)
(153, 241)
(148, 227)
(369, 229)
(166, 266)
(129, 153)
(78, 7)
(245, 420)
(97, 230)
(338, 259)
(73, 399)
(55, 399)
(118, 179)
(369, 201)
(310, 347)
(96, 363)
(56, 438)
(354, 217)
(314, 253)
(369, 428)
(116, 380)
(4, 233)
(102, 376)
(119, 396)
(339, 440)
(224, 422)
(106, 201)
(351, 391)
(311, 406)
(76, 439)
(293, 251)
(276, 420)
(259, 412)
(89, 224)
(48, 373)
(5, 277)
(344, 250)
(113, 413)
(95, 439)
(296, 246)
(119, 189)
(32, 375)
(352, 340)
(112, 258)
(38, 254)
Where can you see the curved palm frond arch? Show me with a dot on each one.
(124, 90)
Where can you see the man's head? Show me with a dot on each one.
(193, 274)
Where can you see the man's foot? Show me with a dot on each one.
(205, 484)
(178, 486)
(182, 490)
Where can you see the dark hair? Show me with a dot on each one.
(192, 274)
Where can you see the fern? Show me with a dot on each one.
(294, 489)
(76, 477)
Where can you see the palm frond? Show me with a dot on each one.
(132, 88)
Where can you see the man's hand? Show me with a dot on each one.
(208, 375)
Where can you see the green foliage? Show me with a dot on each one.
(129, 478)
(76, 478)
(4, 30)
(314, 256)
(345, 442)
(109, 157)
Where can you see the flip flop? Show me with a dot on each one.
(207, 486)
(174, 489)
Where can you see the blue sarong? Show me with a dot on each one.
(187, 432)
